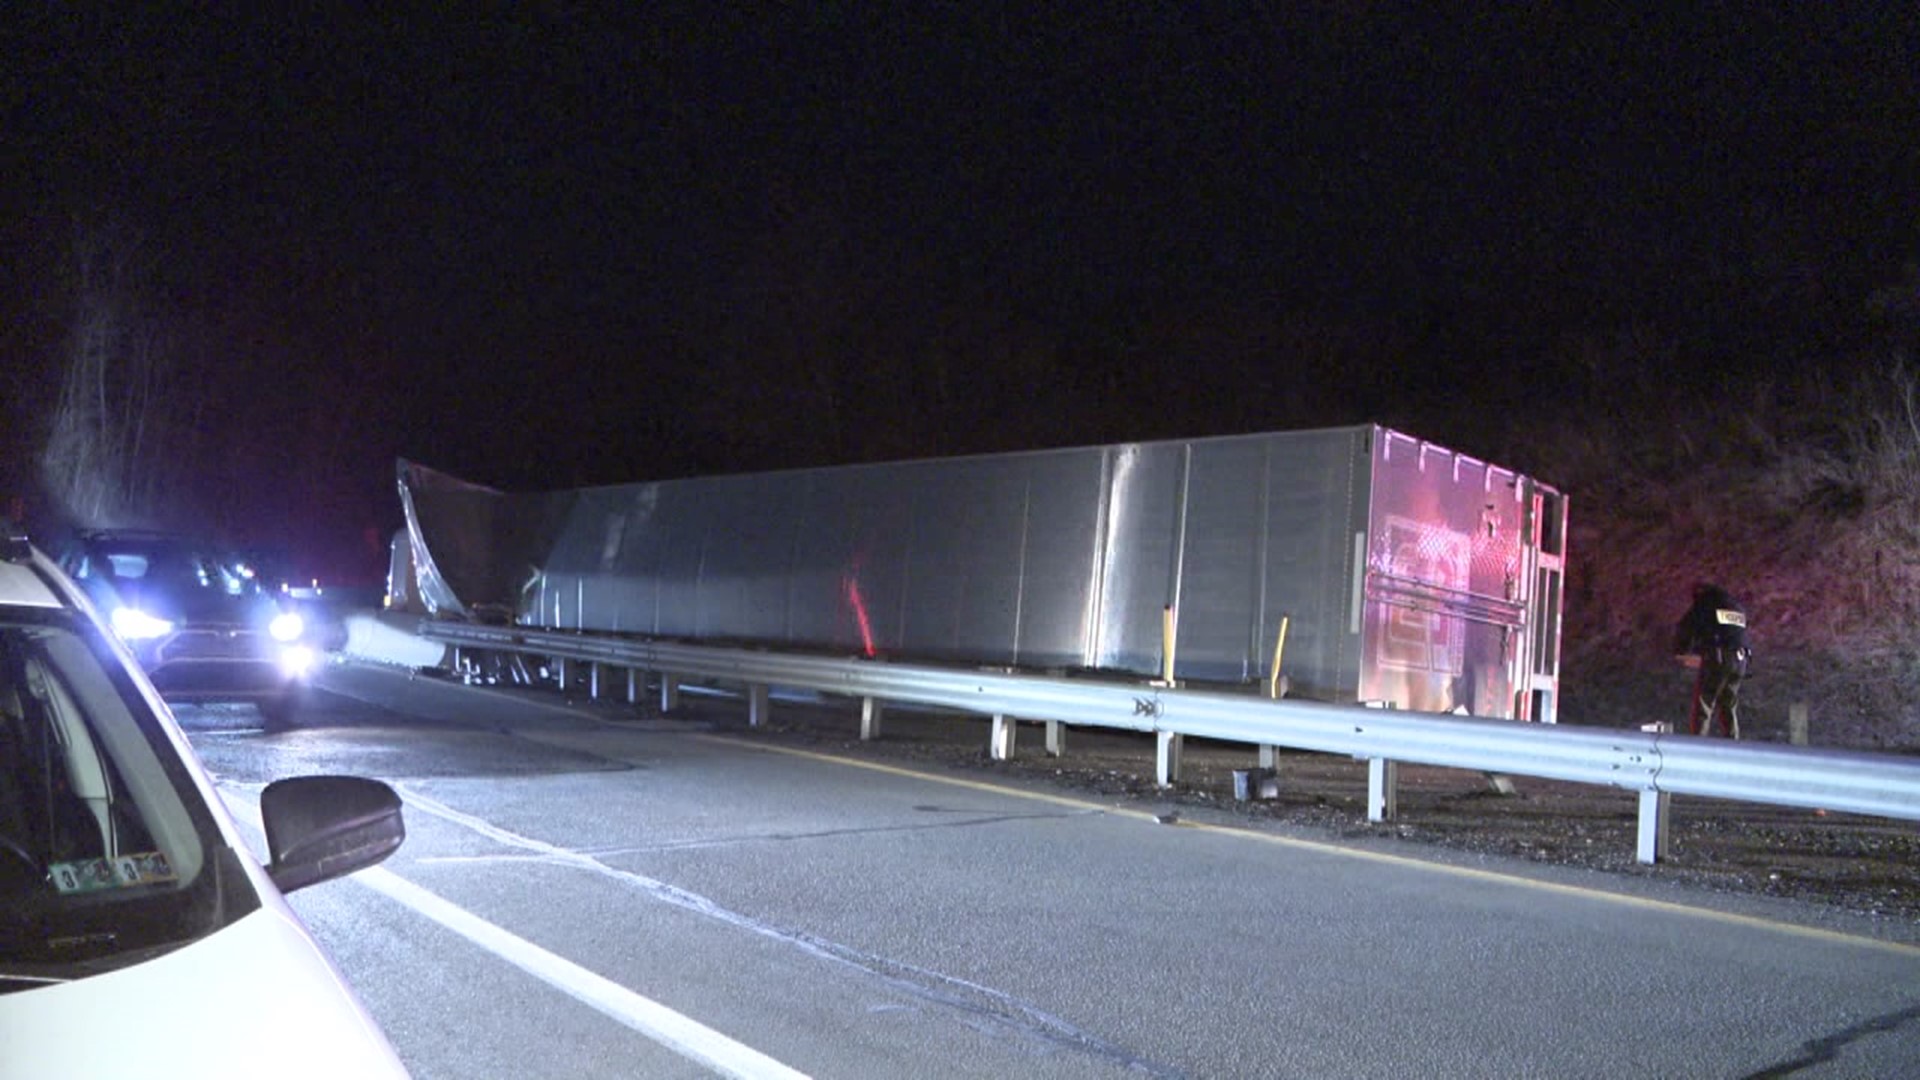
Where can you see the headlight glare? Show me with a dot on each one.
(286, 626)
(136, 625)
(296, 661)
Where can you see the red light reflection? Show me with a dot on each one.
(860, 614)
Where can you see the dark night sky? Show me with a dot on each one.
(558, 249)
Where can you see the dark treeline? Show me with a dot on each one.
(1767, 437)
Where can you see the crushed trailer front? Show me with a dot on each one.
(1354, 564)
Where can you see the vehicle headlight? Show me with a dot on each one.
(136, 625)
(296, 661)
(287, 626)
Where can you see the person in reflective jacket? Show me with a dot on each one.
(1712, 638)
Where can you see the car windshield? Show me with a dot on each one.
(170, 564)
(107, 851)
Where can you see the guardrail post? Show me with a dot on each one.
(758, 705)
(669, 692)
(1000, 741)
(564, 667)
(1654, 815)
(1797, 723)
(1383, 783)
(593, 680)
(1056, 738)
(1269, 756)
(870, 712)
(633, 686)
(1167, 757)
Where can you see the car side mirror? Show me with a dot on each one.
(321, 827)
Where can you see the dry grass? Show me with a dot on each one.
(1802, 497)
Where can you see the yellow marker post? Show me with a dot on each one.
(1166, 644)
(1279, 647)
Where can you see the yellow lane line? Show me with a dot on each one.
(1322, 847)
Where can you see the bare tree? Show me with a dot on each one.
(118, 408)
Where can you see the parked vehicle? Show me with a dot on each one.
(138, 935)
(201, 620)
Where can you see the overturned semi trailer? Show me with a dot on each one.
(1352, 564)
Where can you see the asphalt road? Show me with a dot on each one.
(585, 896)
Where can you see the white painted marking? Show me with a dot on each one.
(947, 990)
(681, 1034)
(673, 1030)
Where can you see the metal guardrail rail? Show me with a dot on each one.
(1656, 766)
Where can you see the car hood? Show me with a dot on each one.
(195, 605)
(256, 998)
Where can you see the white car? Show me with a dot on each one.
(138, 935)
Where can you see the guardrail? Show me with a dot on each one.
(1657, 766)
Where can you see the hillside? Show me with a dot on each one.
(1799, 494)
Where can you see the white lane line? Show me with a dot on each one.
(684, 1036)
(969, 998)
(681, 1034)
